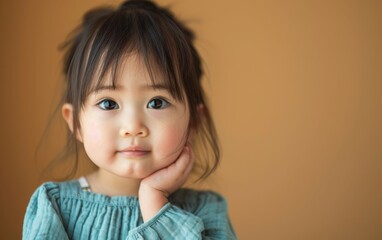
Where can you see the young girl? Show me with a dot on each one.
(134, 102)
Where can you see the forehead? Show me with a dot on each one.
(131, 69)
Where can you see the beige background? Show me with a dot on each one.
(295, 89)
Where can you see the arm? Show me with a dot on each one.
(42, 220)
(204, 215)
(155, 189)
(190, 215)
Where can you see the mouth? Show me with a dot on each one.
(133, 152)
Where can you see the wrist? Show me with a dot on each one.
(151, 201)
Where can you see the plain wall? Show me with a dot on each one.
(295, 90)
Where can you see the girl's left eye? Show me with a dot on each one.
(108, 104)
(158, 103)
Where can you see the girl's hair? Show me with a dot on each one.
(106, 36)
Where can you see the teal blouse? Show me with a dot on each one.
(65, 211)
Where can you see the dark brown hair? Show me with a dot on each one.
(108, 35)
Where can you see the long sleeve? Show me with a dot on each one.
(42, 220)
(202, 217)
(65, 211)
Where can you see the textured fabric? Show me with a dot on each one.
(64, 211)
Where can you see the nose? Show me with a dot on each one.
(133, 132)
(133, 128)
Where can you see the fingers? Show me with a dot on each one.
(185, 162)
(190, 161)
(174, 176)
(177, 173)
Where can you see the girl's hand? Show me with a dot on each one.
(155, 189)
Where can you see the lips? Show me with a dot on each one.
(134, 152)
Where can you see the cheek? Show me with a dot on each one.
(95, 136)
(171, 140)
(92, 132)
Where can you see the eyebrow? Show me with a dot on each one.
(103, 88)
(151, 86)
(157, 87)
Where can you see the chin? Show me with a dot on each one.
(137, 174)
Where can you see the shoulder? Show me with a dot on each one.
(191, 197)
(43, 216)
(187, 194)
(51, 191)
(54, 189)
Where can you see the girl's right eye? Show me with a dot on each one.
(108, 104)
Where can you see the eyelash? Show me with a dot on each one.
(101, 103)
(113, 105)
(167, 103)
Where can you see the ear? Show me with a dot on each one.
(67, 114)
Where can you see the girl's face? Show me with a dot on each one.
(134, 129)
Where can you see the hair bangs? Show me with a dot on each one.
(123, 34)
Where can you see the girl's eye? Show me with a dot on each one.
(108, 104)
(158, 103)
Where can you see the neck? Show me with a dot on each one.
(110, 184)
